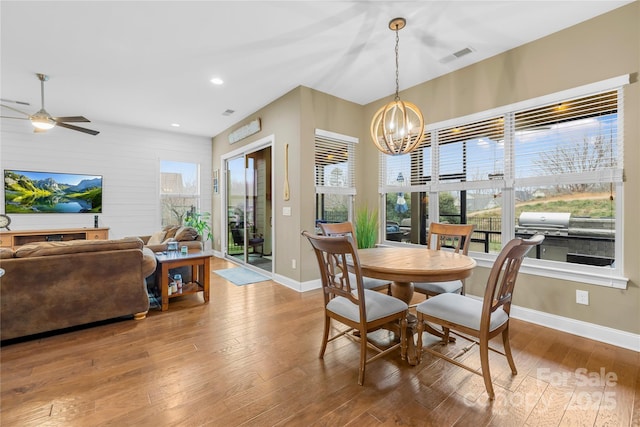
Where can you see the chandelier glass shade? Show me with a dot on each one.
(398, 127)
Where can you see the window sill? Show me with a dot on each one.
(600, 276)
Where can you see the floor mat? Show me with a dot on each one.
(241, 276)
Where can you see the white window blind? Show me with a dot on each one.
(472, 151)
(409, 171)
(570, 141)
(334, 164)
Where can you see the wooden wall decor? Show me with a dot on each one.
(286, 172)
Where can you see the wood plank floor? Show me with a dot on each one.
(250, 357)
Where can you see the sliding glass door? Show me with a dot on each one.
(248, 190)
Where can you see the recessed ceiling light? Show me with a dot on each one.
(175, 125)
(217, 81)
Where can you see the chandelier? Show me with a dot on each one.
(398, 127)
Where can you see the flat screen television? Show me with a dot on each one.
(51, 192)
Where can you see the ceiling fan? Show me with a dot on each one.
(43, 121)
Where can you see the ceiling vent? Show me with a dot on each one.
(228, 112)
(462, 52)
(456, 55)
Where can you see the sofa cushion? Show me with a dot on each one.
(170, 231)
(157, 238)
(186, 234)
(77, 246)
(6, 253)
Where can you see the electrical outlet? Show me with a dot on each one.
(582, 297)
(293, 264)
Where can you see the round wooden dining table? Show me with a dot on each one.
(404, 265)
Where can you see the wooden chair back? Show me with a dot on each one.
(502, 278)
(346, 229)
(333, 253)
(453, 236)
(338, 229)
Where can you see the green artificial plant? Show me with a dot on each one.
(366, 225)
(200, 222)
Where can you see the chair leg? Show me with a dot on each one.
(484, 363)
(419, 330)
(363, 356)
(445, 335)
(325, 338)
(404, 336)
(507, 351)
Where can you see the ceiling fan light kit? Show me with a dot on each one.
(398, 127)
(42, 120)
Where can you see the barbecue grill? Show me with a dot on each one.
(547, 223)
(578, 240)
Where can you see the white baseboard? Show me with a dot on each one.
(577, 327)
(297, 286)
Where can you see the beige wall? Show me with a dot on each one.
(292, 119)
(604, 47)
(607, 46)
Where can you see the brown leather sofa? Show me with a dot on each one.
(55, 285)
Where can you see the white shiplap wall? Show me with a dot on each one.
(128, 158)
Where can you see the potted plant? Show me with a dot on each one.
(366, 225)
(200, 222)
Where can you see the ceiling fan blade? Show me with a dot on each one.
(79, 129)
(14, 102)
(17, 118)
(71, 119)
(16, 110)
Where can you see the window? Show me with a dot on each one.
(179, 191)
(551, 165)
(334, 176)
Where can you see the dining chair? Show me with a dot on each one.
(348, 302)
(450, 236)
(346, 229)
(479, 321)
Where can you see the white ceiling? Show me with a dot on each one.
(148, 63)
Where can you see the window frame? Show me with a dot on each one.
(197, 195)
(348, 190)
(610, 277)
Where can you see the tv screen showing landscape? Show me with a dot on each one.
(51, 192)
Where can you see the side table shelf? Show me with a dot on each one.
(188, 289)
(15, 239)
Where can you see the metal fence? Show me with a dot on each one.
(487, 232)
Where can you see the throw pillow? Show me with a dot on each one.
(186, 234)
(156, 238)
(171, 231)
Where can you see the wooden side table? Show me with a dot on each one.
(200, 263)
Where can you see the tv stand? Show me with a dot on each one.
(15, 239)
